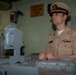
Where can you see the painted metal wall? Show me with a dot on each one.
(36, 29)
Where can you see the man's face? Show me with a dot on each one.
(58, 19)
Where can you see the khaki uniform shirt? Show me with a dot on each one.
(63, 44)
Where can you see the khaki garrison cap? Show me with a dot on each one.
(60, 7)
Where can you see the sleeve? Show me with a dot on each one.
(47, 49)
(74, 44)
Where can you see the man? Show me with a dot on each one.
(61, 43)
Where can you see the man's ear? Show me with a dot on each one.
(65, 17)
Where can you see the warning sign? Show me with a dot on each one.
(37, 10)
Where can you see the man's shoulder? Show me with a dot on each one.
(52, 34)
(72, 29)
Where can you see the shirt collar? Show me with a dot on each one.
(67, 29)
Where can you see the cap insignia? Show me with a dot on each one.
(54, 7)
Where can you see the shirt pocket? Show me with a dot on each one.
(67, 47)
(51, 44)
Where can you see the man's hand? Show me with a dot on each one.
(50, 56)
(42, 56)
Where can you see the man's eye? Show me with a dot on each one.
(54, 14)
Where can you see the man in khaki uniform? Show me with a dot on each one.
(61, 43)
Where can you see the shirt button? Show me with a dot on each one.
(58, 37)
(65, 45)
(57, 44)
